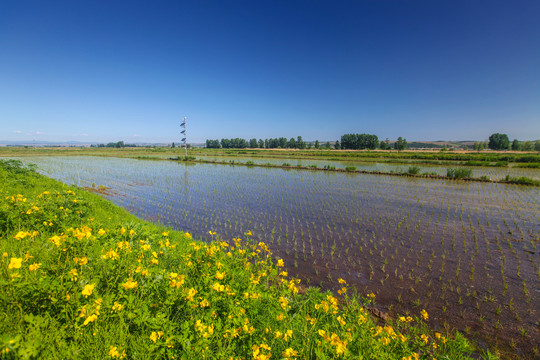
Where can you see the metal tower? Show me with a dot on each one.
(183, 132)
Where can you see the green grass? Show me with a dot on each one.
(82, 278)
(521, 181)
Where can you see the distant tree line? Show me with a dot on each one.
(348, 141)
(271, 143)
(499, 141)
(359, 141)
(118, 144)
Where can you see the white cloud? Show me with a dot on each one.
(18, 132)
(37, 133)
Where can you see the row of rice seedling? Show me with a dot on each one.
(467, 252)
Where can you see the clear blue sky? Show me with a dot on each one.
(130, 70)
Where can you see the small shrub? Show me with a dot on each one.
(350, 168)
(458, 173)
(414, 170)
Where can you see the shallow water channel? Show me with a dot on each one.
(468, 252)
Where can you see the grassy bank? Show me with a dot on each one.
(82, 278)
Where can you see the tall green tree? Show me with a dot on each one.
(337, 145)
(213, 144)
(499, 142)
(300, 144)
(291, 144)
(317, 145)
(385, 145)
(253, 143)
(527, 146)
(359, 141)
(400, 144)
(516, 146)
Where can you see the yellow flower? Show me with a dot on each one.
(288, 334)
(218, 287)
(190, 294)
(111, 254)
(188, 235)
(56, 240)
(156, 335)
(102, 232)
(220, 275)
(284, 303)
(145, 247)
(280, 263)
(424, 314)
(204, 303)
(113, 352)
(34, 267)
(132, 232)
(341, 281)
(165, 233)
(425, 338)
(15, 263)
(122, 230)
(117, 306)
(21, 235)
(89, 319)
(130, 284)
(289, 353)
(81, 261)
(88, 289)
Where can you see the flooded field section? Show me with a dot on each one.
(493, 173)
(467, 252)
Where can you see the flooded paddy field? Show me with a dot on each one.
(493, 173)
(467, 252)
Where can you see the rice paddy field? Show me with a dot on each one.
(493, 173)
(467, 252)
